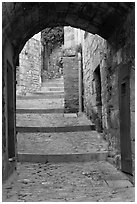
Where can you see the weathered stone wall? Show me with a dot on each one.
(71, 90)
(7, 166)
(109, 56)
(29, 70)
(55, 64)
(121, 53)
(91, 62)
(70, 70)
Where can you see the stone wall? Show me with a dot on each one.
(109, 56)
(29, 70)
(8, 110)
(70, 70)
(55, 65)
(71, 90)
(92, 76)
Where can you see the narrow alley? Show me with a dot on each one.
(61, 157)
(68, 101)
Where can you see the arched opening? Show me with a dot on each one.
(108, 20)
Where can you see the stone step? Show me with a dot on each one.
(44, 111)
(52, 89)
(61, 143)
(59, 85)
(47, 103)
(59, 158)
(41, 96)
(55, 129)
(53, 81)
(52, 120)
(48, 93)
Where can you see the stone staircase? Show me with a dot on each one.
(61, 157)
(46, 134)
(49, 89)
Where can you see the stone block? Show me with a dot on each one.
(70, 115)
(71, 84)
(119, 183)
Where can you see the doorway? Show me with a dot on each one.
(97, 79)
(124, 104)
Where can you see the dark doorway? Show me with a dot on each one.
(97, 79)
(11, 111)
(124, 99)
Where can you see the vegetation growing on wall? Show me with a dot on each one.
(52, 37)
(52, 40)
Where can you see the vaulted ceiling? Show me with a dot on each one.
(21, 20)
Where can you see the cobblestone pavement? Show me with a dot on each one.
(80, 182)
(73, 181)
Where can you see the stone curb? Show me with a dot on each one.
(59, 158)
(56, 129)
(21, 111)
(41, 96)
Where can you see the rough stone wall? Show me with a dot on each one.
(109, 55)
(121, 52)
(91, 61)
(71, 84)
(70, 70)
(7, 166)
(55, 65)
(132, 112)
(29, 70)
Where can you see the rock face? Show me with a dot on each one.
(29, 70)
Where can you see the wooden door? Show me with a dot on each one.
(124, 99)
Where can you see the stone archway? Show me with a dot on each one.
(22, 20)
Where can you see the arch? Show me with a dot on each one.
(22, 20)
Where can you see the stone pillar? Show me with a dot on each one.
(71, 89)
(71, 67)
(8, 111)
(80, 82)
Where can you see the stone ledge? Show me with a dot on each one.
(59, 158)
(119, 183)
(44, 111)
(56, 129)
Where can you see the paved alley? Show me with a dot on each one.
(79, 182)
(61, 157)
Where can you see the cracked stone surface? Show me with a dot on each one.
(78, 182)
